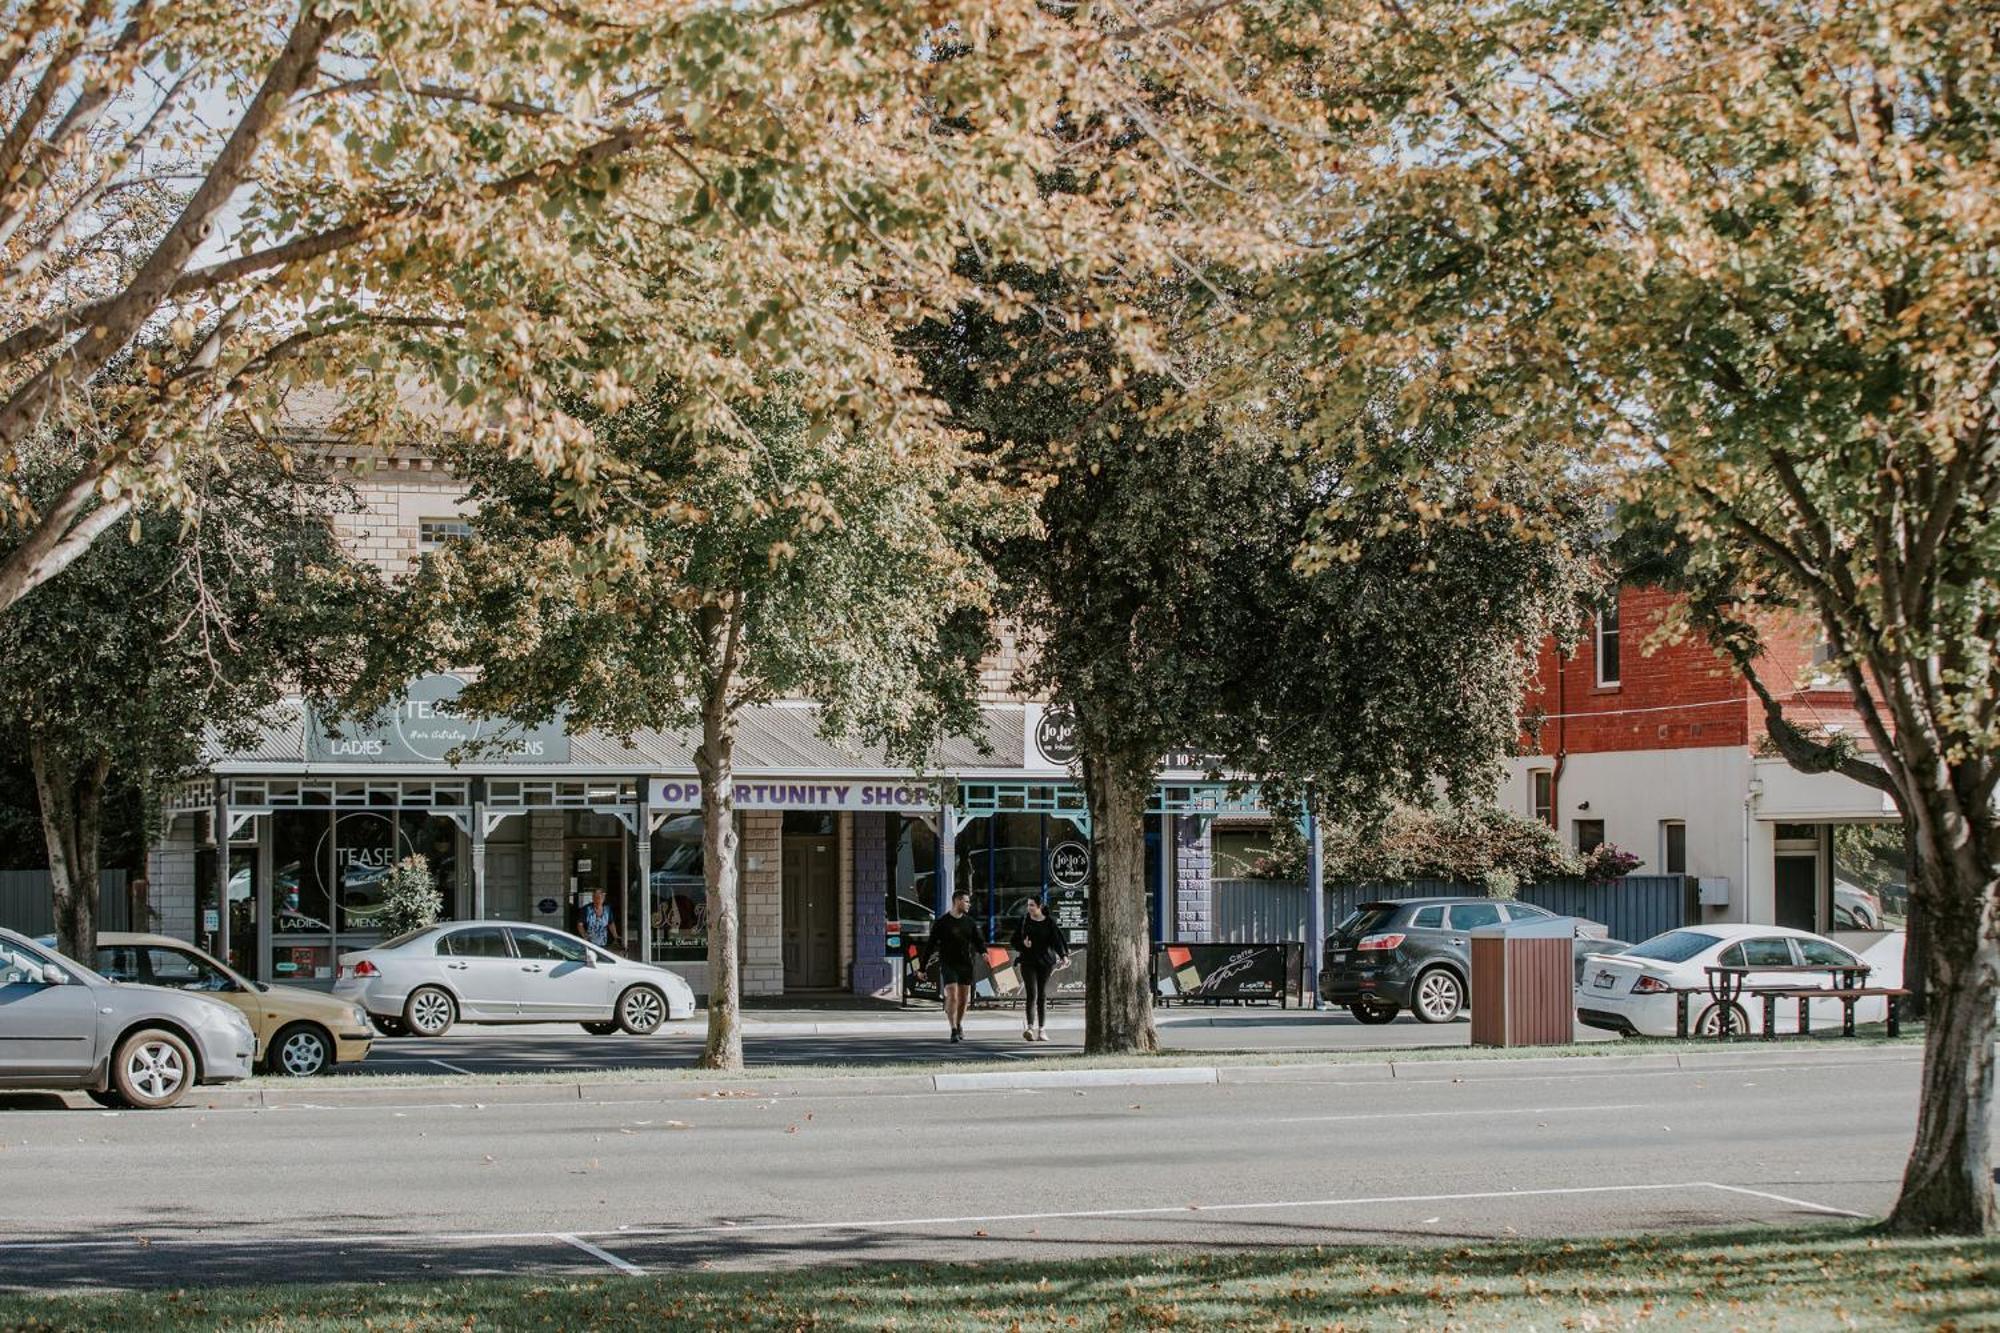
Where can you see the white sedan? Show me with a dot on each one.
(506, 972)
(1634, 992)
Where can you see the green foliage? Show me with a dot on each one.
(840, 568)
(410, 897)
(1457, 844)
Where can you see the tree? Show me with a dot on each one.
(1170, 595)
(1740, 256)
(410, 897)
(494, 206)
(148, 642)
(825, 568)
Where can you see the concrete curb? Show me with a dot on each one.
(470, 1092)
(1075, 1078)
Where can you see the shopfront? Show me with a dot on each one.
(841, 867)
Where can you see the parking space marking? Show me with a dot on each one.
(915, 1223)
(1446, 1115)
(1783, 1198)
(624, 1266)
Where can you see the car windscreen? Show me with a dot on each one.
(1676, 946)
(1365, 918)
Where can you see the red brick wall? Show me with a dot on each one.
(1680, 695)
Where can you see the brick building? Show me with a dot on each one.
(1650, 740)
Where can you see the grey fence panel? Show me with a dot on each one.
(1634, 908)
(26, 904)
(1637, 907)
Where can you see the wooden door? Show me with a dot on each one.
(812, 913)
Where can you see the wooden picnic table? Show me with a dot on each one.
(1727, 983)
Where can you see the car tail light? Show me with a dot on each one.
(1650, 986)
(364, 968)
(1380, 942)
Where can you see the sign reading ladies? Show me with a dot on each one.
(427, 728)
(820, 794)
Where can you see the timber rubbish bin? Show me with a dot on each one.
(1524, 983)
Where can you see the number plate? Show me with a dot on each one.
(1604, 981)
(1338, 957)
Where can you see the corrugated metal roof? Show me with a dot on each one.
(771, 739)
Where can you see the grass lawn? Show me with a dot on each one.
(1834, 1277)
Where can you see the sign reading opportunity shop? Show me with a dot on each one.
(823, 794)
(425, 727)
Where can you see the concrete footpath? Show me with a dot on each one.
(685, 1085)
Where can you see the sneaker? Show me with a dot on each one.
(1041, 1035)
(956, 1035)
(1027, 1034)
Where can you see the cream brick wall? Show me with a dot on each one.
(170, 874)
(997, 669)
(763, 901)
(396, 493)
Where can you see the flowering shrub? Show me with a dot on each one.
(1608, 861)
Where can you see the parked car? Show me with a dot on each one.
(506, 972)
(1411, 953)
(1587, 949)
(1634, 992)
(300, 1032)
(62, 1026)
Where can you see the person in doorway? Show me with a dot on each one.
(955, 942)
(1040, 947)
(598, 926)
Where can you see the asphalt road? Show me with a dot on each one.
(783, 1037)
(1446, 1152)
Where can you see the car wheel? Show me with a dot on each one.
(429, 1012)
(1372, 1011)
(152, 1070)
(109, 1099)
(1437, 997)
(1709, 1023)
(389, 1027)
(600, 1029)
(300, 1051)
(641, 1010)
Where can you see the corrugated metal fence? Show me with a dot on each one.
(25, 904)
(1634, 908)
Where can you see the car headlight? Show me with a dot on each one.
(360, 1017)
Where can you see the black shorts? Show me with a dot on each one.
(954, 976)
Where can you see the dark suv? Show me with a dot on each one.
(1410, 953)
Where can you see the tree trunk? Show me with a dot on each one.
(1118, 996)
(716, 763)
(1916, 932)
(1948, 1183)
(72, 802)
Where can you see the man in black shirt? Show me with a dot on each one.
(955, 941)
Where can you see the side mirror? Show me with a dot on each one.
(54, 976)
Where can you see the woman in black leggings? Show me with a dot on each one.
(1040, 948)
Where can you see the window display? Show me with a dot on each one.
(680, 893)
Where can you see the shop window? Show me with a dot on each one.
(1610, 665)
(1673, 847)
(1004, 860)
(810, 824)
(1589, 835)
(680, 889)
(912, 889)
(1871, 878)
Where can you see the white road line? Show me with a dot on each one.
(622, 1265)
(445, 1064)
(1782, 1198)
(1446, 1115)
(913, 1223)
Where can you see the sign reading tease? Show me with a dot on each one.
(833, 794)
(427, 728)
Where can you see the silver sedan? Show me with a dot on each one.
(506, 972)
(62, 1026)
